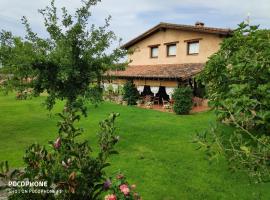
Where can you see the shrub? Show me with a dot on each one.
(237, 78)
(131, 95)
(69, 165)
(119, 189)
(182, 100)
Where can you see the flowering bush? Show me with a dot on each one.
(167, 106)
(69, 166)
(119, 189)
(149, 104)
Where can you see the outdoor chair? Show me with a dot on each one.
(197, 101)
(142, 99)
(156, 100)
(165, 102)
(167, 105)
(147, 98)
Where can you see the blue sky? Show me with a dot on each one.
(132, 17)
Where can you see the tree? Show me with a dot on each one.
(16, 56)
(131, 94)
(72, 58)
(237, 81)
(68, 66)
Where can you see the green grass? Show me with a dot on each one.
(155, 149)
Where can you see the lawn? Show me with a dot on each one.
(155, 149)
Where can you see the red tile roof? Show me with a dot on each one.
(164, 26)
(167, 71)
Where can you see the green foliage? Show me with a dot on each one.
(119, 189)
(66, 63)
(131, 94)
(69, 166)
(244, 153)
(16, 57)
(138, 163)
(68, 66)
(237, 81)
(237, 78)
(182, 100)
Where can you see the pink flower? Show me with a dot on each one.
(57, 143)
(124, 188)
(110, 197)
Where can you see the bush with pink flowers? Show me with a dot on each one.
(119, 189)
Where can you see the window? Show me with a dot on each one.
(193, 47)
(154, 52)
(171, 50)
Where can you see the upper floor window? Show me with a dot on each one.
(193, 47)
(154, 51)
(171, 50)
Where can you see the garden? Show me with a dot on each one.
(155, 149)
(58, 126)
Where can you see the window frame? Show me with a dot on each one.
(168, 49)
(193, 42)
(151, 50)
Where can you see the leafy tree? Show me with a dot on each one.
(16, 56)
(131, 94)
(70, 59)
(237, 80)
(182, 100)
(68, 66)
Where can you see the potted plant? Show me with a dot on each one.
(149, 104)
(124, 103)
(139, 102)
(167, 107)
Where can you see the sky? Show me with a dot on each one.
(133, 17)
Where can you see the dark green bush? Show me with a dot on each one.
(131, 94)
(182, 100)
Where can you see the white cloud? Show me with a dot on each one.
(132, 17)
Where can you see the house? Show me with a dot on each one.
(167, 56)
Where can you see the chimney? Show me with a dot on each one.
(199, 24)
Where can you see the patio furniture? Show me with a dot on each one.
(147, 98)
(171, 101)
(165, 102)
(197, 101)
(156, 100)
(141, 99)
(166, 105)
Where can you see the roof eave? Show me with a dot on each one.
(224, 32)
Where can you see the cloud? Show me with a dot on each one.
(131, 18)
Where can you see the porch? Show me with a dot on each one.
(158, 97)
(195, 108)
